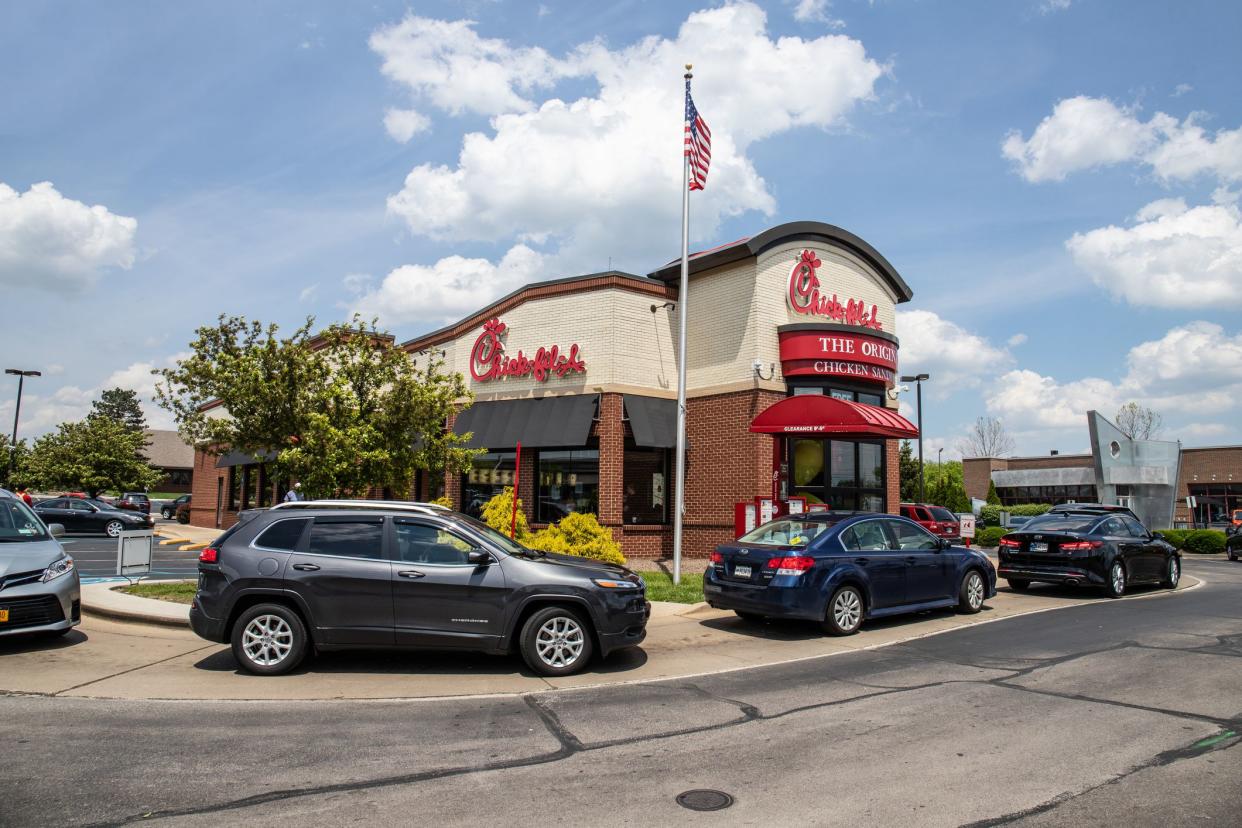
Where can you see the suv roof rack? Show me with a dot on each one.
(387, 505)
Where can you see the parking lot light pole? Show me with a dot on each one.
(17, 412)
(917, 379)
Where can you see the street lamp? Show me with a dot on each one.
(21, 378)
(917, 379)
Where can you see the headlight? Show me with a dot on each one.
(608, 583)
(62, 567)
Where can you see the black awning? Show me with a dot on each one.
(543, 422)
(241, 458)
(653, 421)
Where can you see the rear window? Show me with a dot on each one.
(283, 534)
(942, 514)
(347, 538)
(786, 532)
(1060, 523)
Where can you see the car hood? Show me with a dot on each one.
(28, 555)
(585, 566)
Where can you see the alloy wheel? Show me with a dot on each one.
(113, 528)
(974, 590)
(1118, 577)
(267, 640)
(847, 610)
(1175, 572)
(559, 641)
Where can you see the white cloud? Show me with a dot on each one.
(308, 293)
(1016, 340)
(1196, 357)
(53, 242)
(592, 174)
(1050, 6)
(953, 356)
(1024, 399)
(1181, 89)
(404, 124)
(1171, 256)
(1084, 132)
(815, 11)
(449, 289)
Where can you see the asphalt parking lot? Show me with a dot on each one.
(95, 556)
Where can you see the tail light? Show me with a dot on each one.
(793, 565)
(209, 555)
(1079, 546)
(1010, 543)
(933, 526)
(717, 558)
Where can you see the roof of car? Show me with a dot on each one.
(367, 505)
(839, 514)
(1090, 508)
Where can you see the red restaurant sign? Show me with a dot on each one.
(829, 353)
(805, 297)
(488, 360)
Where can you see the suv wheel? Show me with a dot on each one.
(556, 642)
(845, 612)
(269, 639)
(970, 595)
(1115, 587)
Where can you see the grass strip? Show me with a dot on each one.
(660, 587)
(177, 593)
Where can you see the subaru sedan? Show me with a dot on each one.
(841, 568)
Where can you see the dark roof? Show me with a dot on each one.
(782, 234)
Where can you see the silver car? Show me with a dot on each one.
(39, 589)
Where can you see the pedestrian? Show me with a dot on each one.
(25, 495)
(294, 494)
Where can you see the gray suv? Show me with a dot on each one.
(39, 591)
(328, 575)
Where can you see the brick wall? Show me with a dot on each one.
(1206, 467)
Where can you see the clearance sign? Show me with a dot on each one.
(838, 354)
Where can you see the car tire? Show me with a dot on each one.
(166, 514)
(1115, 583)
(114, 528)
(1172, 573)
(1018, 585)
(972, 592)
(556, 641)
(752, 617)
(1233, 556)
(269, 640)
(845, 611)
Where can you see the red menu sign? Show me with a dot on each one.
(829, 353)
(488, 360)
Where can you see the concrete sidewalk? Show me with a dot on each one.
(185, 536)
(109, 659)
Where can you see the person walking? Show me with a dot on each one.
(294, 494)
(25, 495)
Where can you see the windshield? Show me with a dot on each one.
(1060, 523)
(18, 523)
(503, 541)
(786, 532)
(942, 514)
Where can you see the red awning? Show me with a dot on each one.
(813, 414)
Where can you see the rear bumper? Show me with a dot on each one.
(205, 626)
(762, 599)
(1050, 574)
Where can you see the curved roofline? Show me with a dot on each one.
(782, 234)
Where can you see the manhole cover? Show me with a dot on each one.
(704, 800)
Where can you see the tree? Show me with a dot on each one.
(16, 461)
(987, 438)
(1138, 422)
(909, 472)
(945, 486)
(121, 404)
(96, 454)
(340, 412)
(993, 497)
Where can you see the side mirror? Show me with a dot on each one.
(56, 530)
(478, 557)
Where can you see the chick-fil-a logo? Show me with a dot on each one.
(805, 297)
(488, 360)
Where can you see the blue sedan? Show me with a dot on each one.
(840, 568)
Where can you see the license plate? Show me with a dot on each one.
(1039, 547)
(4, 616)
(741, 571)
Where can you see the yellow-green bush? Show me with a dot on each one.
(498, 514)
(577, 534)
(445, 501)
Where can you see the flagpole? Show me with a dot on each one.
(683, 293)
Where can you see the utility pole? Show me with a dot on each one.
(917, 379)
(17, 413)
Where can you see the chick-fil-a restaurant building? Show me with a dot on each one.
(791, 350)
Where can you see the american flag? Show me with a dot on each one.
(698, 143)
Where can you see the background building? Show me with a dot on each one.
(174, 457)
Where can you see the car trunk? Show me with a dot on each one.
(1040, 547)
(745, 563)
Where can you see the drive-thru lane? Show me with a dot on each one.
(1105, 712)
(95, 556)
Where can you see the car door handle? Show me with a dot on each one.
(306, 567)
(411, 573)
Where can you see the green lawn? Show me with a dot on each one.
(660, 587)
(177, 593)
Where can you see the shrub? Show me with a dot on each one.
(990, 515)
(989, 535)
(1177, 537)
(1205, 541)
(447, 502)
(498, 514)
(579, 534)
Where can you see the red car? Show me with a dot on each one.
(935, 519)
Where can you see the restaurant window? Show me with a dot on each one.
(1215, 503)
(867, 395)
(235, 487)
(645, 485)
(1054, 495)
(568, 482)
(263, 492)
(844, 474)
(248, 478)
(488, 477)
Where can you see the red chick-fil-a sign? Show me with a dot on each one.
(488, 360)
(805, 297)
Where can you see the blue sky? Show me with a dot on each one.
(1056, 180)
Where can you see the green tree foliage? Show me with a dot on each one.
(580, 534)
(339, 412)
(990, 515)
(909, 468)
(97, 454)
(945, 487)
(498, 514)
(121, 404)
(993, 497)
(16, 462)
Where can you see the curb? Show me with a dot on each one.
(106, 602)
